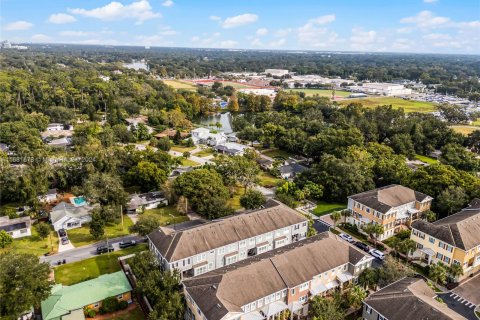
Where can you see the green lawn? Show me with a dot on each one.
(204, 153)
(426, 159)
(34, 244)
(267, 180)
(476, 123)
(181, 149)
(397, 103)
(234, 201)
(10, 206)
(324, 208)
(81, 236)
(164, 215)
(273, 153)
(177, 84)
(322, 92)
(135, 314)
(465, 130)
(189, 163)
(76, 272)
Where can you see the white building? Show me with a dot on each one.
(276, 72)
(68, 216)
(17, 228)
(145, 201)
(260, 92)
(385, 89)
(231, 148)
(204, 136)
(50, 196)
(55, 127)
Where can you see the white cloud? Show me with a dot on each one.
(366, 40)
(18, 25)
(402, 44)
(167, 3)
(283, 32)
(323, 19)
(277, 43)
(228, 44)
(215, 18)
(256, 42)
(261, 32)
(314, 34)
(195, 39)
(404, 30)
(41, 38)
(240, 20)
(426, 19)
(61, 18)
(430, 1)
(140, 10)
(437, 36)
(70, 33)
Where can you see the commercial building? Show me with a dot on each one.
(276, 72)
(385, 89)
(266, 286)
(391, 206)
(451, 240)
(225, 241)
(16, 228)
(408, 298)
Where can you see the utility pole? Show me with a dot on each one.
(51, 241)
(108, 248)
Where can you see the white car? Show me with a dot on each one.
(377, 254)
(346, 237)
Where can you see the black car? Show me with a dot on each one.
(126, 244)
(104, 249)
(362, 246)
(62, 232)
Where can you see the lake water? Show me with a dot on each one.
(224, 118)
(136, 65)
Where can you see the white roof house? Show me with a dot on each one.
(204, 136)
(67, 216)
(17, 228)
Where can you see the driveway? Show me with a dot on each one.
(268, 193)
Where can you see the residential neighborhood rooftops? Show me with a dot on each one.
(461, 229)
(174, 246)
(409, 298)
(64, 299)
(10, 225)
(64, 209)
(229, 288)
(384, 198)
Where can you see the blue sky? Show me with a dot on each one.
(426, 26)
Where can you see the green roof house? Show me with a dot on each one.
(67, 302)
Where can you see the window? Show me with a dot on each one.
(251, 241)
(446, 259)
(449, 248)
(380, 318)
(303, 299)
(253, 305)
(368, 309)
(278, 295)
(292, 292)
(304, 224)
(260, 303)
(284, 293)
(439, 256)
(242, 244)
(23, 231)
(304, 286)
(431, 240)
(96, 305)
(247, 308)
(230, 260)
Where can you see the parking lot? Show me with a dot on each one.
(470, 290)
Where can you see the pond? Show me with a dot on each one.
(225, 119)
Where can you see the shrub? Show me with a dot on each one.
(110, 304)
(404, 234)
(91, 313)
(122, 305)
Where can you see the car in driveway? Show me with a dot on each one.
(65, 240)
(126, 244)
(377, 254)
(362, 246)
(346, 237)
(62, 233)
(105, 249)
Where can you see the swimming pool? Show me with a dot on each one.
(79, 201)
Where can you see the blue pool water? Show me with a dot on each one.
(79, 201)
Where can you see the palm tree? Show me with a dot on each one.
(408, 245)
(430, 216)
(368, 278)
(335, 215)
(356, 295)
(374, 230)
(455, 270)
(346, 213)
(438, 273)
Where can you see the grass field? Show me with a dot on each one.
(81, 236)
(267, 180)
(465, 130)
(204, 153)
(182, 149)
(235, 85)
(273, 153)
(164, 215)
(189, 163)
(426, 159)
(177, 84)
(476, 122)
(33, 244)
(324, 208)
(234, 201)
(397, 103)
(76, 272)
(322, 92)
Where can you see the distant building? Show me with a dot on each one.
(276, 72)
(230, 148)
(451, 240)
(60, 143)
(50, 196)
(69, 302)
(407, 299)
(357, 95)
(145, 201)
(55, 127)
(17, 228)
(290, 169)
(204, 136)
(385, 89)
(391, 206)
(271, 93)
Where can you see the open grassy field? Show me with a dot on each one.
(324, 208)
(267, 180)
(204, 153)
(273, 153)
(164, 215)
(34, 244)
(178, 84)
(79, 271)
(476, 122)
(465, 130)
(322, 92)
(182, 149)
(426, 159)
(81, 236)
(234, 201)
(397, 103)
(189, 163)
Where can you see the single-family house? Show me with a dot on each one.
(267, 285)
(150, 200)
(451, 240)
(68, 216)
(230, 148)
(290, 169)
(134, 122)
(55, 127)
(68, 302)
(392, 206)
(18, 227)
(60, 143)
(170, 133)
(50, 196)
(204, 136)
(265, 164)
(408, 298)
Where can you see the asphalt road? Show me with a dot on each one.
(459, 305)
(85, 252)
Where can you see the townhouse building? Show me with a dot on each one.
(218, 243)
(408, 298)
(266, 286)
(391, 206)
(451, 240)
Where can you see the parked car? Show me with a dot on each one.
(105, 249)
(346, 237)
(65, 240)
(62, 233)
(126, 244)
(362, 246)
(377, 254)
